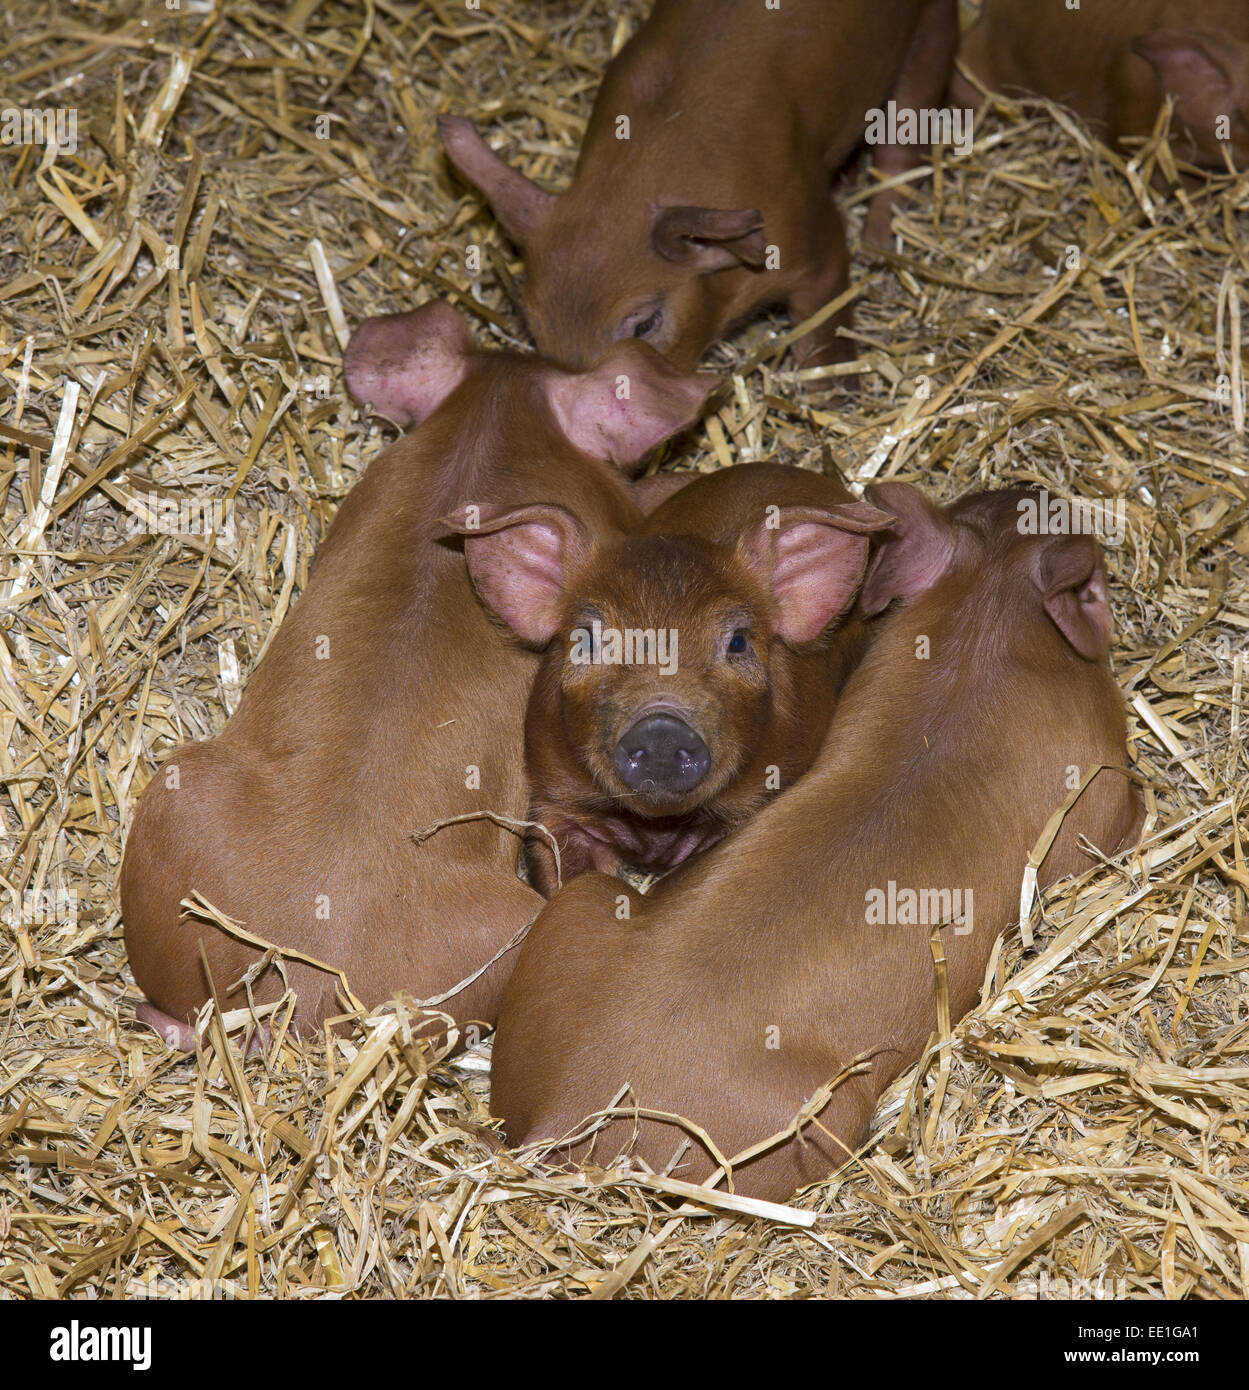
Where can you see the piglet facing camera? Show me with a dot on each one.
(689, 672)
(790, 961)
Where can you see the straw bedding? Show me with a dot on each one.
(1085, 1129)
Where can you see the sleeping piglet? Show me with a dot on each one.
(798, 954)
(1113, 63)
(689, 671)
(388, 701)
(702, 190)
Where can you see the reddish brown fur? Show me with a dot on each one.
(935, 773)
(1112, 62)
(762, 715)
(310, 797)
(738, 111)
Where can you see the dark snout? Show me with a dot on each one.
(661, 755)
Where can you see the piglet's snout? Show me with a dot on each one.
(661, 754)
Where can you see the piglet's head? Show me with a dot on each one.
(597, 274)
(406, 365)
(1053, 584)
(1207, 74)
(664, 651)
(655, 277)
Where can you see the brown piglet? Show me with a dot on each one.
(690, 668)
(797, 956)
(1113, 63)
(388, 701)
(702, 189)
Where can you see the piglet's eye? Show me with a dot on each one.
(739, 642)
(645, 327)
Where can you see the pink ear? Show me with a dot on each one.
(1068, 571)
(1205, 73)
(406, 365)
(627, 404)
(813, 562)
(913, 556)
(519, 204)
(519, 561)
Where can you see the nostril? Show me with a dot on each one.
(662, 755)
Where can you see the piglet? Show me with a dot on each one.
(798, 953)
(702, 190)
(388, 700)
(689, 671)
(1114, 62)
